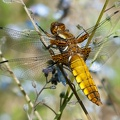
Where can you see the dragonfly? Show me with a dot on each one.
(64, 49)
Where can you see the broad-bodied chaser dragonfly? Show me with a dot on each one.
(64, 50)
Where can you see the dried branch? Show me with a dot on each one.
(20, 86)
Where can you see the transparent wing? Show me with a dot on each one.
(106, 44)
(105, 41)
(26, 68)
(103, 51)
(27, 41)
(32, 69)
(104, 27)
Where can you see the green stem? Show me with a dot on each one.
(62, 107)
(97, 23)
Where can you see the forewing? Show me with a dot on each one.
(103, 51)
(105, 42)
(27, 41)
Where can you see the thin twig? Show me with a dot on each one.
(35, 26)
(38, 94)
(34, 105)
(46, 106)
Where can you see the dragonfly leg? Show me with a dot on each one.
(46, 33)
(58, 43)
(82, 38)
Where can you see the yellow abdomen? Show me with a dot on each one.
(84, 79)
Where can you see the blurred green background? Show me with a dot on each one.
(71, 13)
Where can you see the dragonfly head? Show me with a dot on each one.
(56, 27)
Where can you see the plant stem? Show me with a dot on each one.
(97, 23)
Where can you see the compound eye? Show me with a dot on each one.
(56, 27)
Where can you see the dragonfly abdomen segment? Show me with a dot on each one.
(84, 79)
